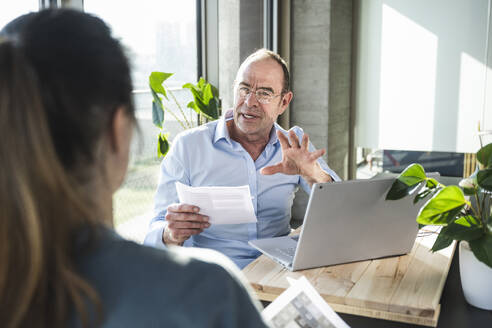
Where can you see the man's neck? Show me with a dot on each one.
(254, 144)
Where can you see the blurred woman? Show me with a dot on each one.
(66, 122)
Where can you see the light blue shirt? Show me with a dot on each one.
(207, 156)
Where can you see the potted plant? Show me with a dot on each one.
(206, 103)
(464, 214)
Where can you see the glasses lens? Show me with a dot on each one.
(264, 96)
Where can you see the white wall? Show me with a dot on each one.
(421, 74)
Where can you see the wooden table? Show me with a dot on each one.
(403, 288)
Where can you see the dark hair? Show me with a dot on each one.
(265, 53)
(84, 76)
(62, 78)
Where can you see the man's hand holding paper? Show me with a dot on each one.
(183, 220)
(222, 205)
(200, 207)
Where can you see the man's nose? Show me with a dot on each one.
(251, 100)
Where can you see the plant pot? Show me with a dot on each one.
(476, 279)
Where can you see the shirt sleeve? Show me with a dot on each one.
(171, 170)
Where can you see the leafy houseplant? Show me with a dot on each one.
(464, 214)
(206, 103)
(448, 207)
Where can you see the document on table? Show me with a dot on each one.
(301, 306)
(223, 205)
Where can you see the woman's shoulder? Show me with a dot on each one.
(137, 282)
(110, 253)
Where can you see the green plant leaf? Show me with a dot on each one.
(201, 83)
(414, 171)
(407, 182)
(156, 97)
(197, 97)
(207, 94)
(192, 105)
(484, 155)
(410, 180)
(157, 114)
(484, 179)
(155, 82)
(469, 191)
(462, 232)
(443, 207)
(467, 221)
(432, 183)
(441, 242)
(162, 144)
(399, 189)
(190, 86)
(423, 194)
(205, 99)
(215, 91)
(482, 249)
(442, 218)
(211, 110)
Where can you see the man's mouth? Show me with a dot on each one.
(249, 116)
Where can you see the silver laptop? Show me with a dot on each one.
(344, 222)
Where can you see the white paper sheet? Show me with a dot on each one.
(301, 306)
(223, 205)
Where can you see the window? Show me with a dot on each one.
(159, 35)
(12, 9)
(373, 161)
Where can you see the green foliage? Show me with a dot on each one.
(442, 208)
(206, 103)
(162, 144)
(484, 155)
(482, 248)
(484, 179)
(157, 111)
(408, 181)
(460, 219)
(205, 99)
(156, 80)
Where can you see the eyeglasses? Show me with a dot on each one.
(263, 96)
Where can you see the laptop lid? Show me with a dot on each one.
(351, 221)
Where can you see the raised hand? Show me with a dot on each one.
(297, 159)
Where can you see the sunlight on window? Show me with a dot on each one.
(408, 83)
(487, 110)
(12, 9)
(159, 35)
(471, 101)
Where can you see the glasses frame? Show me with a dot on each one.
(260, 99)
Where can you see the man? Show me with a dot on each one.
(245, 146)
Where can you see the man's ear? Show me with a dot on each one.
(120, 130)
(286, 99)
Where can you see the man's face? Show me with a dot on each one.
(252, 117)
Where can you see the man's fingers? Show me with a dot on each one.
(181, 235)
(317, 153)
(269, 170)
(184, 212)
(305, 141)
(187, 225)
(183, 208)
(284, 142)
(185, 233)
(294, 140)
(186, 217)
